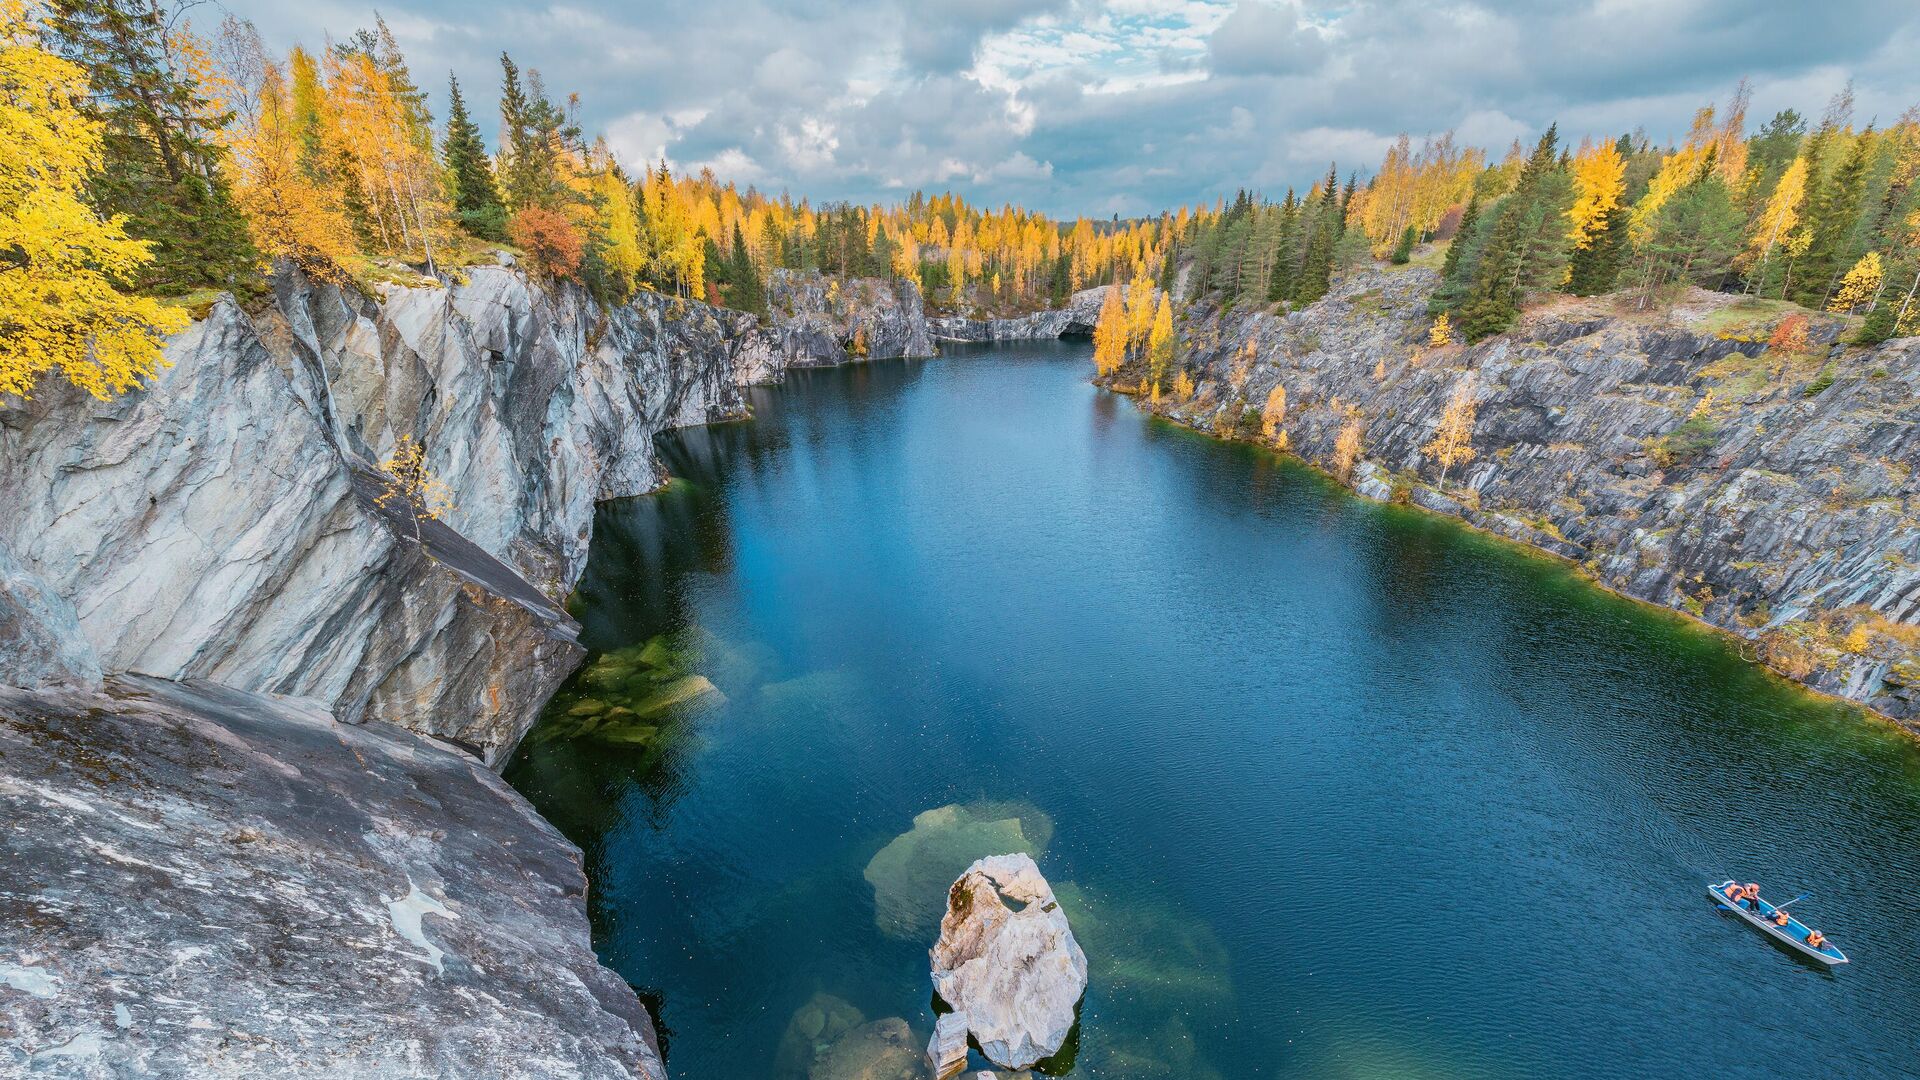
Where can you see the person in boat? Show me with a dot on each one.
(1780, 917)
(1816, 939)
(1733, 892)
(1750, 892)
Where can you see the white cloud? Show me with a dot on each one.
(1124, 106)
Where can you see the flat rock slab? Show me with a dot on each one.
(202, 882)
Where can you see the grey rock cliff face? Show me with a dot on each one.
(230, 523)
(817, 321)
(207, 883)
(320, 892)
(1785, 513)
(1078, 317)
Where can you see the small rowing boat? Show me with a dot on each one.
(1760, 915)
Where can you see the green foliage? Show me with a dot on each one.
(1593, 269)
(1693, 239)
(1879, 325)
(532, 131)
(160, 167)
(1683, 444)
(1403, 251)
(476, 197)
(1527, 247)
(1832, 209)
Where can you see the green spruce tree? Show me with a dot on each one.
(161, 167)
(1831, 217)
(476, 198)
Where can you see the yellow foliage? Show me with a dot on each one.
(59, 309)
(1110, 335)
(288, 215)
(1860, 285)
(1348, 446)
(1414, 190)
(623, 251)
(1160, 342)
(1705, 408)
(1598, 182)
(1453, 441)
(1182, 386)
(1274, 413)
(1439, 337)
(397, 170)
(1782, 212)
(1140, 296)
(412, 485)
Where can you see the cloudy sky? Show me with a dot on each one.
(1127, 106)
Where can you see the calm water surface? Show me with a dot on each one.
(1328, 789)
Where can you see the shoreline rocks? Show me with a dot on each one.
(1670, 454)
(1007, 964)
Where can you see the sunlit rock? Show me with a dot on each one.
(1007, 962)
(911, 874)
(948, 1050)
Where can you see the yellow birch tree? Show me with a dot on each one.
(59, 308)
(1110, 335)
(1453, 441)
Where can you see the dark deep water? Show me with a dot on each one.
(1328, 789)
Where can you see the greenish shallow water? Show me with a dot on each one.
(1328, 789)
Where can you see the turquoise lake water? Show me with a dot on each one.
(1327, 789)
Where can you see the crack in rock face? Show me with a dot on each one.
(1007, 963)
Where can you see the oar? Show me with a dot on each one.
(1795, 900)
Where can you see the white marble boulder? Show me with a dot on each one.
(1007, 964)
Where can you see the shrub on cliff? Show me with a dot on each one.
(551, 242)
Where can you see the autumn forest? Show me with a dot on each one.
(153, 162)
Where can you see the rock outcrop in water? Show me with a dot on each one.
(1007, 964)
(207, 883)
(1773, 496)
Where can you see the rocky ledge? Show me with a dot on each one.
(1077, 318)
(1672, 454)
(202, 882)
(218, 614)
(820, 321)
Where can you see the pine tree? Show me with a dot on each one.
(1830, 219)
(1285, 251)
(1692, 239)
(1456, 269)
(527, 158)
(476, 198)
(1323, 232)
(1527, 247)
(746, 292)
(160, 164)
(1403, 251)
